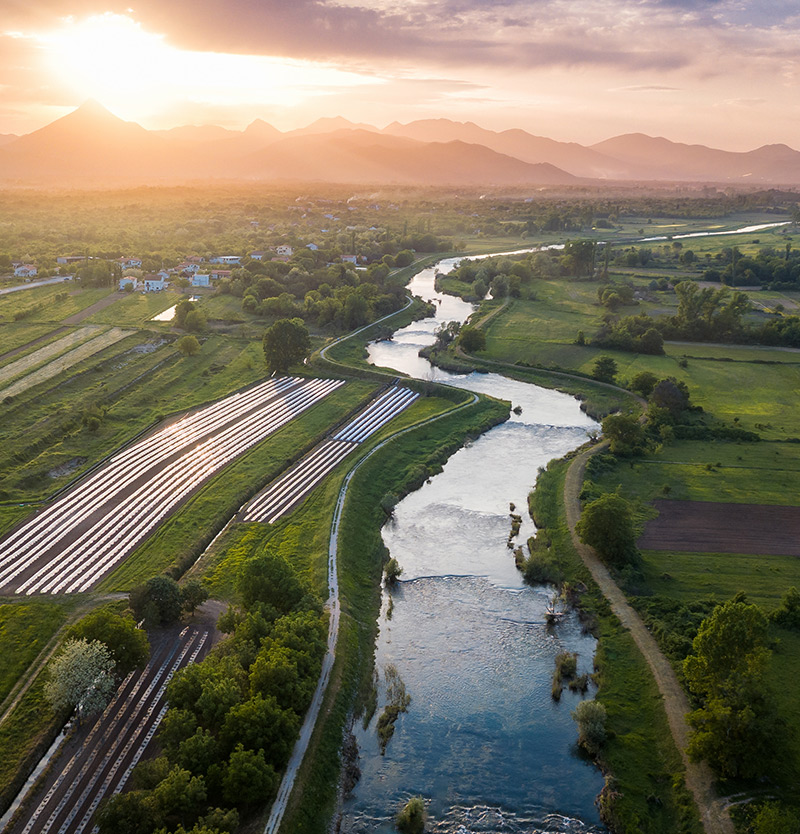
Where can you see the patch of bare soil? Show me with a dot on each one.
(711, 527)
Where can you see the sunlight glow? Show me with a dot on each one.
(136, 73)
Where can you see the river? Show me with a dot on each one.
(482, 740)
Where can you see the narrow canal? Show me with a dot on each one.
(482, 741)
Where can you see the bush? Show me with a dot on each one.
(606, 524)
(591, 719)
(411, 819)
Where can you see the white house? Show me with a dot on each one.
(128, 281)
(350, 259)
(130, 263)
(153, 283)
(257, 256)
(312, 246)
(71, 259)
(188, 266)
(217, 274)
(201, 279)
(25, 271)
(227, 260)
(284, 251)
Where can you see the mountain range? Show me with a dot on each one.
(92, 146)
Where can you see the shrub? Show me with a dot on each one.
(411, 819)
(591, 719)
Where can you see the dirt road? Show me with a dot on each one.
(699, 779)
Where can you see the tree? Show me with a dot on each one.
(392, 571)
(193, 593)
(261, 724)
(606, 524)
(286, 343)
(180, 795)
(157, 601)
(188, 345)
(81, 678)
(643, 383)
(605, 369)
(671, 395)
(472, 339)
(195, 321)
(734, 727)
(625, 432)
(128, 645)
(788, 615)
(771, 818)
(248, 779)
(182, 309)
(269, 578)
(127, 813)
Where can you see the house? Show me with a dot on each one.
(187, 267)
(257, 256)
(70, 259)
(129, 263)
(350, 259)
(201, 279)
(218, 274)
(312, 246)
(163, 273)
(284, 251)
(153, 283)
(227, 260)
(25, 271)
(128, 281)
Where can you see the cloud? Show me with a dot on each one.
(646, 88)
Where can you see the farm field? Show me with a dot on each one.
(49, 304)
(78, 539)
(542, 333)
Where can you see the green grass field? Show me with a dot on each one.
(137, 308)
(542, 333)
(46, 304)
(25, 628)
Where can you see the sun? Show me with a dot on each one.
(136, 73)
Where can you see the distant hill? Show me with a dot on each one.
(360, 156)
(570, 156)
(92, 146)
(661, 159)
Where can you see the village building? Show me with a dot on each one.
(25, 271)
(284, 251)
(227, 260)
(153, 283)
(201, 279)
(129, 263)
(218, 274)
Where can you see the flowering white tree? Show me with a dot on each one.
(81, 677)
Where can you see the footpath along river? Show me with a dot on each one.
(482, 740)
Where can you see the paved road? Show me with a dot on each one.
(33, 284)
(102, 764)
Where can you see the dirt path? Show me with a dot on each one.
(699, 779)
(81, 315)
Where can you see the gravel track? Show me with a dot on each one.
(699, 778)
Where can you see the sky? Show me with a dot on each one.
(725, 74)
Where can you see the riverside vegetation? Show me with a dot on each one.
(63, 426)
(719, 425)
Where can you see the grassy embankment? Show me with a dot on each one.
(749, 386)
(645, 790)
(303, 537)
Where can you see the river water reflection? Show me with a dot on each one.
(482, 740)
